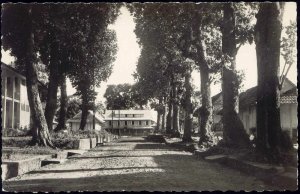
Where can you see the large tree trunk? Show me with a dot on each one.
(169, 122)
(51, 103)
(205, 112)
(164, 118)
(234, 132)
(158, 119)
(41, 134)
(267, 38)
(188, 109)
(175, 121)
(63, 105)
(84, 112)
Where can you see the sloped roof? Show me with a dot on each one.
(215, 97)
(12, 69)
(99, 118)
(147, 114)
(40, 84)
(248, 98)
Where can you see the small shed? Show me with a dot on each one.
(74, 122)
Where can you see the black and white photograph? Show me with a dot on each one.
(149, 96)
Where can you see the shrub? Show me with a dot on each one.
(15, 141)
(67, 143)
(11, 132)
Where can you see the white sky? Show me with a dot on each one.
(129, 51)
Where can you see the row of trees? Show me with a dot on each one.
(177, 38)
(71, 40)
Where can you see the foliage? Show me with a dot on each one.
(288, 43)
(93, 47)
(123, 96)
(11, 132)
(288, 49)
(16, 141)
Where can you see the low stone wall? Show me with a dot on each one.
(4, 171)
(93, 142)
(84, 144)
(15, 168)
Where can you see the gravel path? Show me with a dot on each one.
(132, 164)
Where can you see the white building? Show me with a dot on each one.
(74, 122)
(130, 122)
(247, 108)
(15, 106)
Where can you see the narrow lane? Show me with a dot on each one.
(133, 164)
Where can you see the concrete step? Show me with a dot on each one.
(52, 161)
(75, 152)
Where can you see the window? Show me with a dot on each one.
(125, 122)
(125, 115)
(118, 123)
(140, 122)
(27, 108)
(109, 123)
(147, 122)
(9, 87)
(23, 107)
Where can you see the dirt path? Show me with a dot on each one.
(133, 164)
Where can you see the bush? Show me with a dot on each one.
(15, 141)
(67, 143)
(11, 132)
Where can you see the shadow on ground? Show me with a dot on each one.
(174, 172)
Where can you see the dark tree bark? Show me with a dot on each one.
(84, 111)
(51, 103)
(40, 131)
(159, 111)
(164, 114)
(169, 122)
(205, 112)
(175, 121)
(63, 105)
(188, 119)
(234, 132)
(267, 38)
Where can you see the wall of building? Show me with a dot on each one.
(129, 124)
(15, 107)
(89, 126)
(288, 117)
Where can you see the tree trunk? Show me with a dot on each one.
(267, 38)
(234, 132)
(205, 112)
(164, 114)
(51, 103)
(63, 105)
(188, 111)
(169, 115)
(84, 112)
(41, 134)
(158, 119)
(175, 121)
